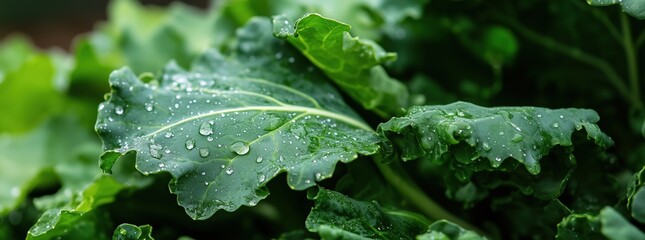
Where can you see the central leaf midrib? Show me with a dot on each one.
(285, 108)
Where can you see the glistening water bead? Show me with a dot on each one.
(190, 144)
(240, 148)
(205, 129)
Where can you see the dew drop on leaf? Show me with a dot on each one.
(259, 159)
(229, 171)
(190, 144)
(168, 135)
(261, 178)
(517, 137)
(205, 129)
(118, 110)
(486, 146)
(318, 176)
(240, 148)
(148, 107)
(155, 151)
(555, 125)
(204, 152)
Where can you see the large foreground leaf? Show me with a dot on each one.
(470, 139)
(352, 63)
(232, 124)
(337, 216)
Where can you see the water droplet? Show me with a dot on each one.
(118, 110)
(555, 125)
(205, 129)
(561, 116)
(501, 133)
(168, 135)
(206, 183)
(517, 137)
(261, 178)
(486, 146)
(203, 152)
(498, 159)
(307, 181)
(229, 171)
(101, 106)
(155, 151)
(161, 165)
(190, 144)
(318, 176)
(539, 115)
(259, 159)
(203, 173)
(148, 107)
(209, 138)
(240, 148)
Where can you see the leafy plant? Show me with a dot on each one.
(212, 110)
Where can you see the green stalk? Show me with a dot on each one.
(581, 56)
(411, 191)
(630, 54)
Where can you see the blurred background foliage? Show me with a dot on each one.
(56, 56)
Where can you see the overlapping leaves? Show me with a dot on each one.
(469, 139)
(353, 64)
(232, 124)
(337, 216)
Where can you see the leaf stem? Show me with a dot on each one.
(581, 56)
(639, 41)
(411, 191)
(630, 54)
(602, 18)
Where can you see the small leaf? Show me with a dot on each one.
(636, 196)
(336, 216)
(353, 64)
(635, 8)
(127, 231)
(78, 219)
(232, 124)
(608, 224)
(444, 230)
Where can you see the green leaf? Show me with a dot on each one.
(14, 51)
(232, 124)
(22, 94)
(444, 230)
(78, 218)
(636, 196)
(369, 19)
(40, 159)
(145, 38)
(608, 224)
(336, 216)
(354, 64)
(471, 139)
(127, 231)
(635, 8)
